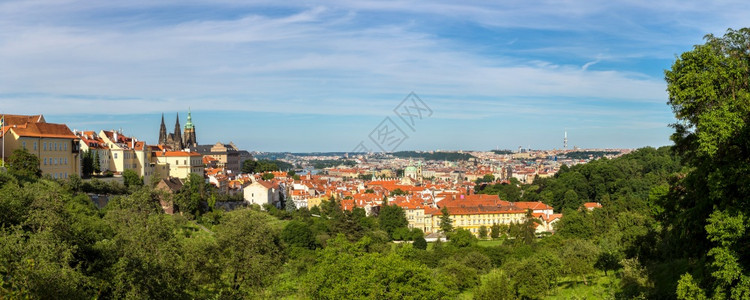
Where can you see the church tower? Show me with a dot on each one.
(190, 140)
(177, 137)
(162, 132)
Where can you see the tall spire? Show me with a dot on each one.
(189, 123)
(189, 136)
(177, 139)
(162, 132)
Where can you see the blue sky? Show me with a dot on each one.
(320, 76)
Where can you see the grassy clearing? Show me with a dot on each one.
(490, 243)
(600, 287)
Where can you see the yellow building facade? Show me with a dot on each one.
(54, 144)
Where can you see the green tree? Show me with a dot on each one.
(495, 230)
(578, 257)
(462, 238)
(97, 167)
(391, 218)
(688, 289)
(446, 224)
(495, 286)
(24, 165)
(420, 243)
(345, 270)
(194, 191)
(483, 232)
(87, 164)
(289, 204)
(529, 279)
(251, 250)
(709, 92)
(267, 176)
(131, 179)
(297, 233)
(459, 275)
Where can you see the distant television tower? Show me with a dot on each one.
(565, 141)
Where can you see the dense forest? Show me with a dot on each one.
(673, 226)
(56, 244)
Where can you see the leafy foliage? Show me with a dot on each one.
(24, 165)
(706, 207)
(261, 166)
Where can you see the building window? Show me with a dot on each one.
(34, 145)
(23, 144)
(65, 148)
(45, 161)
(44, 146)
(115, 155)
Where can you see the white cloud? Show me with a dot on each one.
(323, 59)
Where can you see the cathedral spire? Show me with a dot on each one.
(162, 132)
(177, 139)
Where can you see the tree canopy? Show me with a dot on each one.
(709, 92)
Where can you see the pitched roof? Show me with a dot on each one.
(11, 120)
(592, 205)
(44, 130)
(532, 205)
(175, 154)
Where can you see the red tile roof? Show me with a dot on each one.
(44, 130)
(175, 154)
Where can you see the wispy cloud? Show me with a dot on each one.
(346, 57)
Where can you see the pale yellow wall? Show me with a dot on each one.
(56, 157)
(181, 166)
(473, 222)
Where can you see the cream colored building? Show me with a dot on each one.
(90, 142)
(177, 164)
(54, 144)
(473, 220)
(261, 192)
(127, 153)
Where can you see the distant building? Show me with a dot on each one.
(262, 192)
(126, 153)
(592, 205)
(178, 164)
(54, 144)
(227, 156)
(176, 140)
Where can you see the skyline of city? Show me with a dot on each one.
(303, 77)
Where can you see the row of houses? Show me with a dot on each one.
(59, 150)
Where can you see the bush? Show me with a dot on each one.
(420, 243)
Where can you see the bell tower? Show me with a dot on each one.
(190, 140)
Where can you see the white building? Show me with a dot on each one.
(262, 192)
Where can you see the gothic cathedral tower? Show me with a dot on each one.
(190, 140)
(177, 136)
(162, 132)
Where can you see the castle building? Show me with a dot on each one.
(190, 140)
(178, 141)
